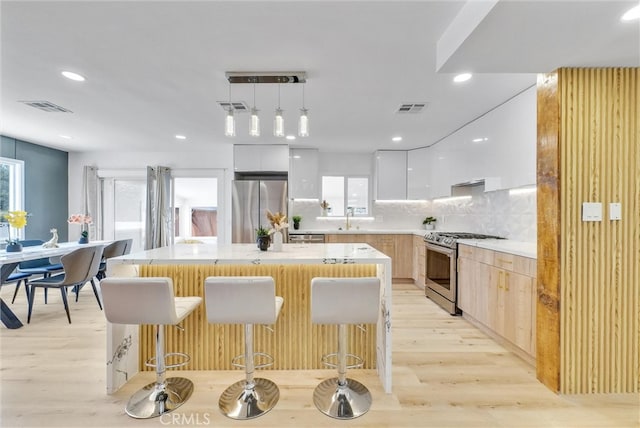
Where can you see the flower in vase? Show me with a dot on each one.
(82, 220)
(17, 220)
(278, 221)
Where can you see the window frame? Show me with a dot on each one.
(345, 193)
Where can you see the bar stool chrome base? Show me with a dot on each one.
(348, 401)
(157, 399)
(242, 402)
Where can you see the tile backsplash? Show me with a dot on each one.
(507, 213)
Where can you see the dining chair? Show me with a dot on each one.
(41, 266)
(80, 266)
(115, 249)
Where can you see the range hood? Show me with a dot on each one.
(476, 186)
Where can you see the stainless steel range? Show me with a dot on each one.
(441, 282)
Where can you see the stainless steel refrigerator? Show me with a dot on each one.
(251, 200)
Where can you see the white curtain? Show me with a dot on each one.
(159, 222)
(91, 201)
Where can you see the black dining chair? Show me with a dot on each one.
(19, 278)
(80, 266)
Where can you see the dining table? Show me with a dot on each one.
(10, 260)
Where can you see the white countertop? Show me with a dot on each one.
(519, 248)
(250, 254)
(419, 232)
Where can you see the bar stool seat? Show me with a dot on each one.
(245, 300)
(344, 301)
(151, 301)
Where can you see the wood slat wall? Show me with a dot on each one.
(596, 271)
(294, 343)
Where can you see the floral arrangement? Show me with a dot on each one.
(278, 221)
(17, 220)
(82, 220)
(324, 205)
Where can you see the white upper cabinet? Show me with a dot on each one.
(303, 174)
(499, 148)
(261, 157)
(418, 184)
(390, 175)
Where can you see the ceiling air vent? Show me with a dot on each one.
(411, 108)
(46, 106)
(239, 106)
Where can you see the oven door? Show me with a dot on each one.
(440, 272)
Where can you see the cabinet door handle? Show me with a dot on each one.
(500, 280)
(506, 281)
(505, 261)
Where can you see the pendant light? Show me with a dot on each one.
(254, 131)
(303, 122)
(229, 121)
(278, 121)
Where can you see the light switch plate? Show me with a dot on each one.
(592, 211)
(615, 211)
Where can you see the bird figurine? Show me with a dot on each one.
(53, 242)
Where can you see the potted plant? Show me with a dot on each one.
(296, 221)
(429, 223)
(263, 238)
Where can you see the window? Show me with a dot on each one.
(346, 192)
(11, 191)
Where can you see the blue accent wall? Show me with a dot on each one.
(46, 175)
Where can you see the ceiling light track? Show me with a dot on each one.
(266, 77)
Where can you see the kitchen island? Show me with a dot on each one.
(295, 343)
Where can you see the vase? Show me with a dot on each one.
(324, 212)
(296, 226)
(263, 242)
(83, 240)
(14, 247)
(277, 241)
(429, 226)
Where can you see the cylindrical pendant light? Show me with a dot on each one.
(229, 120)
(278, 121)
(230, 124)
(303, 121)
(254, 131)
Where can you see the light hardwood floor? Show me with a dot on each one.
(446, 374)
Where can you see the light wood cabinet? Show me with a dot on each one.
(398, 247)
(419, 261)
(498, 290)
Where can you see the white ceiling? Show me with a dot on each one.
(157, 69)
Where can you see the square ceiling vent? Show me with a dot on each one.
(47, 106)
(236, 106)
(411, 108)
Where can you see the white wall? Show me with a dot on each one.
(220, 157)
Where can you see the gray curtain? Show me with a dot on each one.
(91, 202)
(159, 221)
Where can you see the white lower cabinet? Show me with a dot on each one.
(498, 290)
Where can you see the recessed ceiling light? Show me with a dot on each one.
(479, 140)
(73, 76)
(631, 14)
(291, 137)
(181, 137)
(463, 77)
(66, 137)
(396, 139)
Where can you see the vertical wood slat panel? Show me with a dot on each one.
(295, 343)
(600, 282)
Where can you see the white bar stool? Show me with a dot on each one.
(343, 301)
(245, 300)
(151, 301)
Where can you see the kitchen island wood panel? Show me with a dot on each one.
(294, 343)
